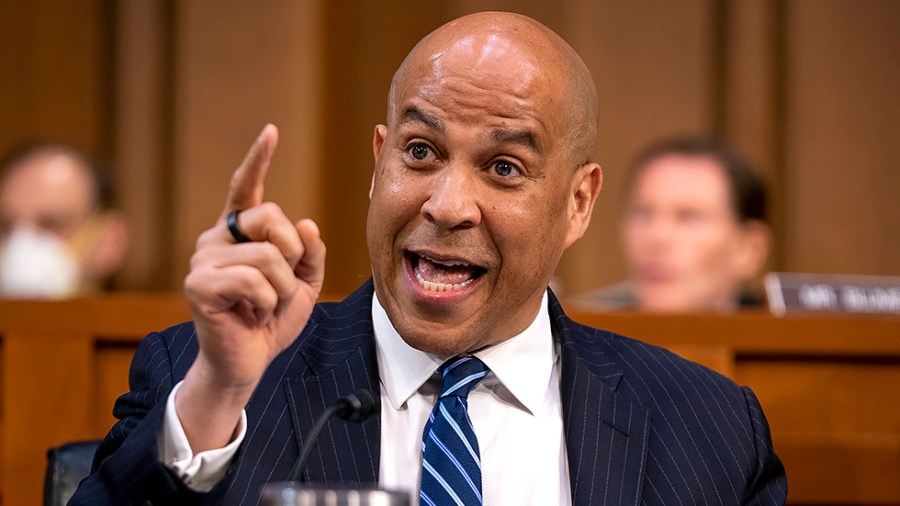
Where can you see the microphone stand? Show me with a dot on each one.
(356, 406)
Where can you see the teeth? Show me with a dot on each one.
(440, 287)
(449, 263)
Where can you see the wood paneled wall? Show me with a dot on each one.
(55, 69)
(842, 131)
(174, 92)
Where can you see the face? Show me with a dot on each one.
(685, 247)
(49, 193)
(474, 196)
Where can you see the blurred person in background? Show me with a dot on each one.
(694, 230)
(59, 234)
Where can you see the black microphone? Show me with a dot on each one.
(356, 406)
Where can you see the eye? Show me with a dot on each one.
(420, 154)
(640, 215)
(689, 216)
(505, 169)
(419, 151)
(54, 225)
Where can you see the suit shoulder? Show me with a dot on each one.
(178, 334)
(175, 346)
(698, 418)
(179, 340)
(651, 371)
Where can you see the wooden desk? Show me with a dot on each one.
(830, 386)
(63, 365)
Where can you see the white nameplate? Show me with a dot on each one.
(794, 293)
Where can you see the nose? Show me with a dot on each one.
(661, 233)
(652, 231)
(452, 201)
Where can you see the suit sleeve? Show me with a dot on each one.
(768, 484)
(127, 468)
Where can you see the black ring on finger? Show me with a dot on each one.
(233, 227)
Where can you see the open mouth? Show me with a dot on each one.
(443, 275)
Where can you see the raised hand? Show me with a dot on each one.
(249, 300)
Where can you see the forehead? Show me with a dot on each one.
(696, 181)
(489, 59)
(45, 185)
(474, 77)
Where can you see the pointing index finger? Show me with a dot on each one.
(248, 180)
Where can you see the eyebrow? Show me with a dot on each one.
(415, 115)
(524, 138)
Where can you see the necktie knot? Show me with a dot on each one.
(460, 375)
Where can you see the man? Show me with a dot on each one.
(59, 236)
(694, 230)
(482, 179)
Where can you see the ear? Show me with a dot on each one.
(377, 143)
(586, 184)
(756, 242)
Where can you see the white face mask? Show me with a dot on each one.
(37, 265)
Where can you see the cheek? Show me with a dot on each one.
(396, 188)
(529, 234)
(507, 223)
(394, 209)
(393, 200)
(713, 254)
(632, 240)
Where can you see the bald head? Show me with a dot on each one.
(526, 54)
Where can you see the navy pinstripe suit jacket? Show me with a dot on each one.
(643, 426)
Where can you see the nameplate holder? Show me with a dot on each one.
(790, 293)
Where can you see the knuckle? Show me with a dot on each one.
(205, 237)
(195, 282)
(245, 279)
(269, 299)
(289, 288)
(202, 256)
(270, 254)
(190, 283)
(198, 258)
(270, 210)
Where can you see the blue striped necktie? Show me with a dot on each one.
(451, 464)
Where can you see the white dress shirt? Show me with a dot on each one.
(516, 412)
(199, 472)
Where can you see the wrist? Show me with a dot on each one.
(210, 411)
(222, 383)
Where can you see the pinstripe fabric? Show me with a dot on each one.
(642, 425)
(665, 430)
(324, 363)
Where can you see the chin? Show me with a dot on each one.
(443, 346)
(662, 303)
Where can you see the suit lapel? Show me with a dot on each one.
(606, 435)
(341, 357)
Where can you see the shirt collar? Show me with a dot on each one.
(522, 364)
